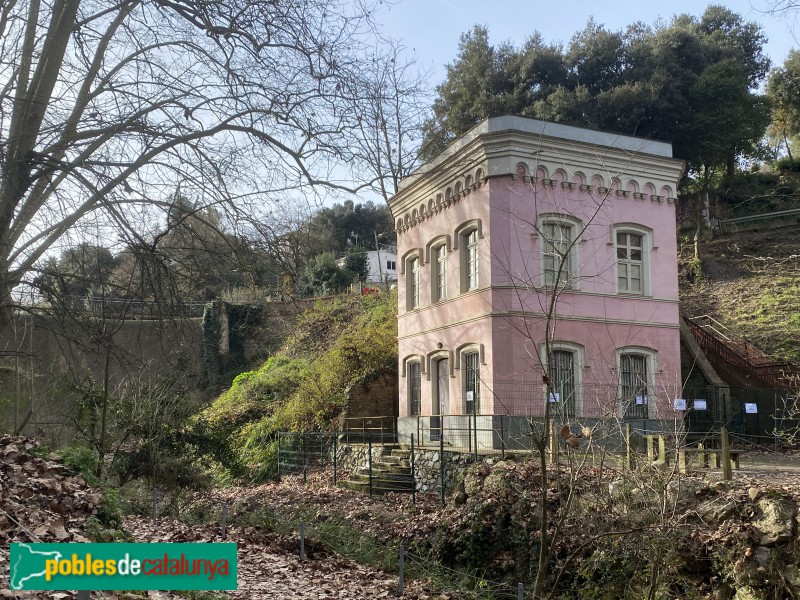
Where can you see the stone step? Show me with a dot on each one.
(380, 485)
(378, 470)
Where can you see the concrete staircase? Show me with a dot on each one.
(390, 473)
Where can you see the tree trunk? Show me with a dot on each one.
(788, 146)
(6, 305)
(544, 546)
(730, 169)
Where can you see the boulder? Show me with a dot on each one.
(496, 480)
(473, 480)
(774, 523)
(791, 575)
(682, 492)
(716, 510)
(746, 593)
(762, 556)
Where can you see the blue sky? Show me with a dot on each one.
(432, 27)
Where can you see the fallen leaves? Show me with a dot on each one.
(40, 501)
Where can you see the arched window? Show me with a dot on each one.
(471, 380)
(467, 240)
(559, 243)
(636, 367)
(564, 367)
(414, 377)
(412, 277)
(439, 272)
(633, 244)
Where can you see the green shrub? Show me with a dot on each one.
(786, 164)
(83, 461)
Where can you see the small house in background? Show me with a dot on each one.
(528, 250)
(382, 265)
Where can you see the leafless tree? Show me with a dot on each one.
(395, 103)
(106, 107)
(540, 296)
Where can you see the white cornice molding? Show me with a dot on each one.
(517, 147)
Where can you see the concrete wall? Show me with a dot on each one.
(57, 355)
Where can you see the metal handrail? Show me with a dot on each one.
(771, 372)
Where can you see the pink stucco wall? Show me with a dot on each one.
(506, 316)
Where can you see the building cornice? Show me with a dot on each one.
(542, 154)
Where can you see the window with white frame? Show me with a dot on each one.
(414, 388)
(635, 381)
(467, 241)
(632, 258)
(559, 251)
(471, 373)
(413, 276)
(469, 259)
(439, 275)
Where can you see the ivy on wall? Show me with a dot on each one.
(220, 368)
(212, 335)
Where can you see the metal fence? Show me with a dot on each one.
(130, 307)
(303, 452)
(381, 429)
(752, 415)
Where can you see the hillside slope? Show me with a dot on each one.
(751, 284)
(337, 344)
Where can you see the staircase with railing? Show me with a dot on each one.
(739, 359)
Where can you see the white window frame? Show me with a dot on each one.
(439, 273)
(469, 253)
(651, 363)
(439, 266)
(578, 364)
(570, 279)
(644, 264)
(412, 277)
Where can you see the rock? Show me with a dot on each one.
(746, 593)
(791, 575)
(722, 486)
(460, 497)
(495, 481)
(473, 482)
(754, 493)
(717, 510)
(682, 492)
(762, 555)
(775, 522)
(616, 489)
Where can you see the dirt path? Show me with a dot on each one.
(270, 566)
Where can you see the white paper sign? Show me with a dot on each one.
(470, 396)
(700, 405)
(554, 397)
(751, 408)
(641, 400)
(680, 403)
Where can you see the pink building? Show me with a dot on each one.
(520, 228)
